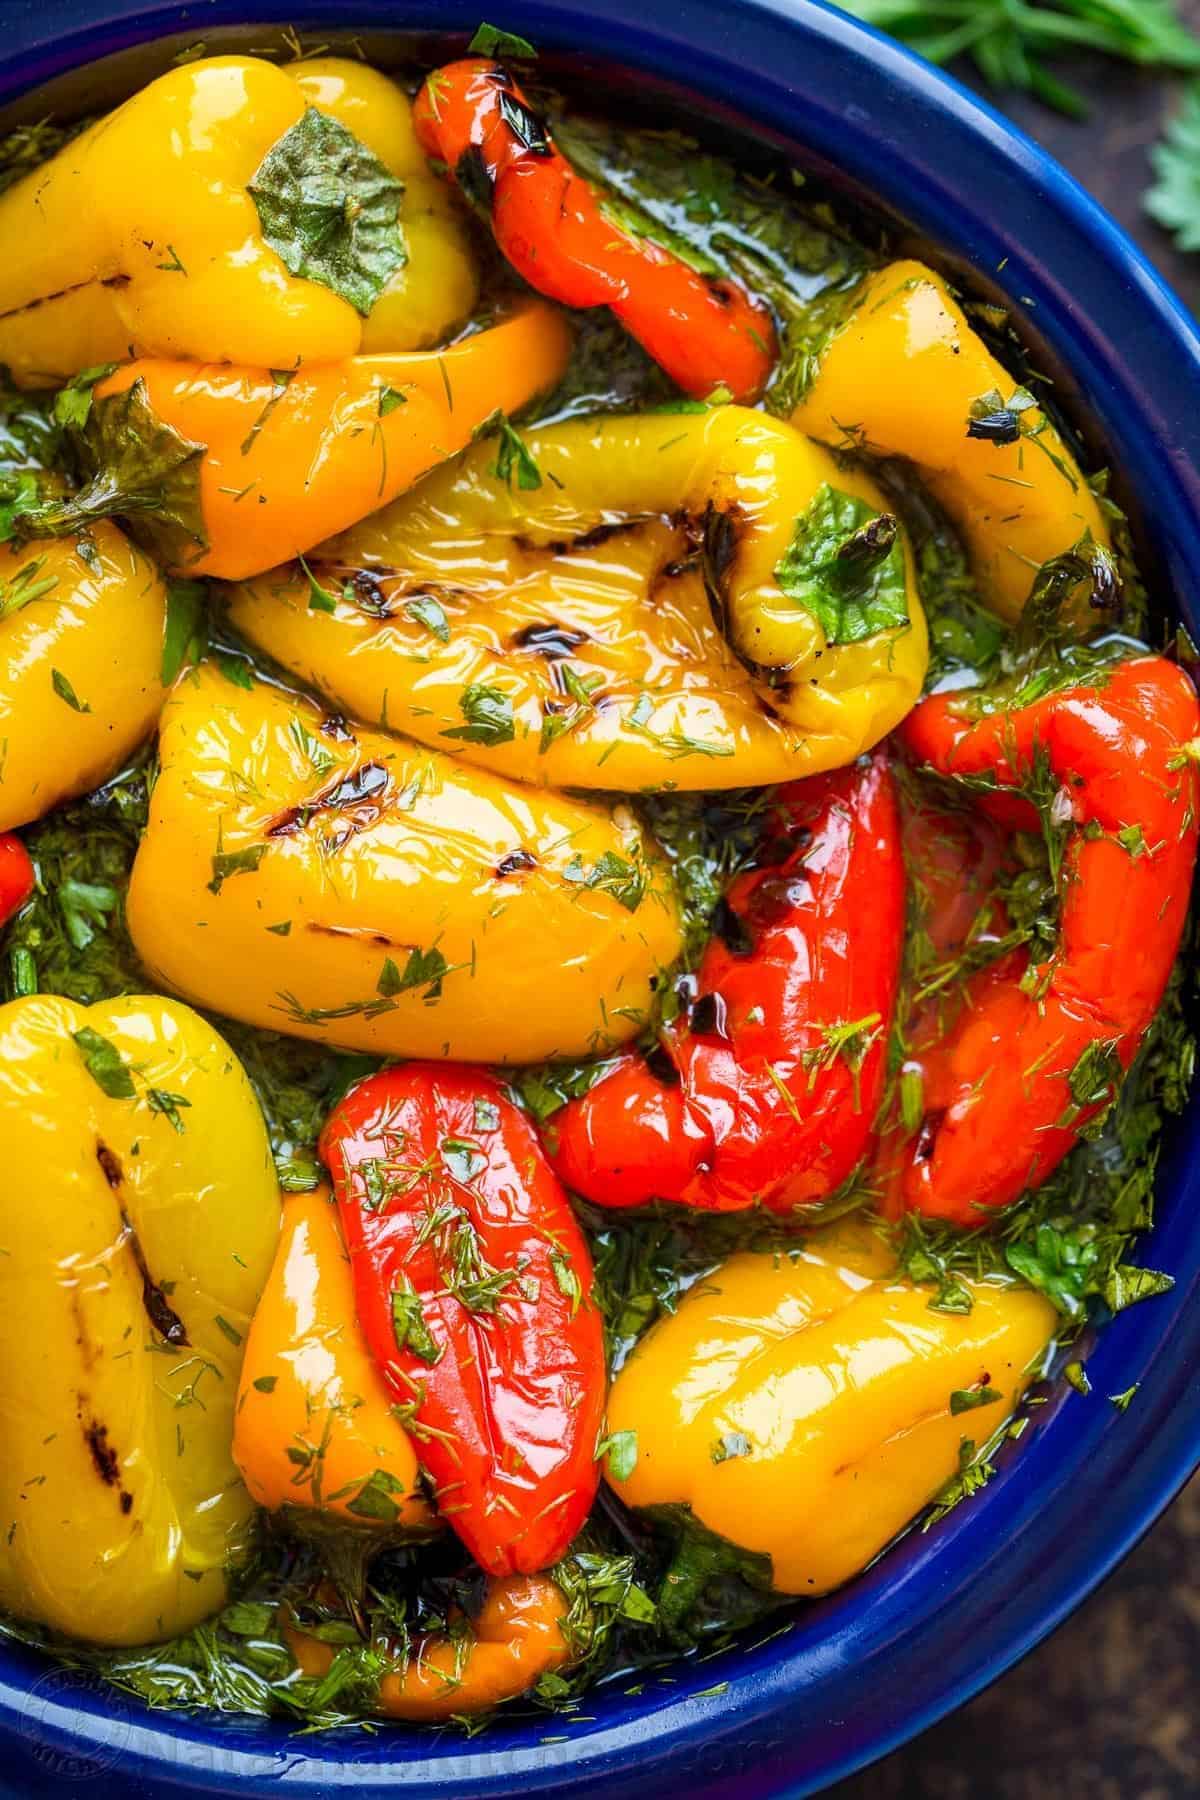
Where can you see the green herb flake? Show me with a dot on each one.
(408, 1323)
(227, 863)
(425, 610)
(1126, 1285)
(389, 399)
(375, 1498)
(967, 1399)
(1076, 1376)
(489, 716)
(487, 1115)
(463, 1160)
(73, 403)
(1122, 1401)
(319, 598)
(65, 691)
(227, 1330)
(330, 210)
(168, 1105)
(105, 1064)
(185, 633)
(265, 1384)
(620, 1452)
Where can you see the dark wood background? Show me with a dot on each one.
(1109, 1707)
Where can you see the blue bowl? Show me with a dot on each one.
(946, 1612)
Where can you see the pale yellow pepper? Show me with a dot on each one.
(141, 236)
(344, 885)
(80, 665)
(800, 1403)
(904, 376)
(138, 1217)
(616, 670)
(316, 1429)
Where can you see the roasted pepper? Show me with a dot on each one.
(557, 233)
(516, 1638)
(1040, 1050)
(138, 1218)
(17, 876)
(473, 1283)
(228, 471)
(187, 224)
(81, 651)
(774, 1074)
(315, 1431)
(806, 1405)
(574, 590)
(340, 884)
(905, 375)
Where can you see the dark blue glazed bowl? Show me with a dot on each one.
(944, 1612)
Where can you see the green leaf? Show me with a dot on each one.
(488, 713)
(427, 611)
(408, 1323)
(389, 399)
(105, 1064)
(73, 403)
(265, 1383)
(374, 1498)
(319, 598)
(248, 1618)
(1058, 1263)
(65, 691)
(1173, 198)
(514, 457)
(234, 862)
(621, 1451)
(845, 565)
(489, 40)
(86, 908)
(330, 210)
(184, 636)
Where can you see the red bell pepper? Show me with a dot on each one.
(473, 1285)
(16, 876)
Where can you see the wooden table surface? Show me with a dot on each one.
(1109, 1707)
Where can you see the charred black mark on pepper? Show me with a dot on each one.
(335, 726)
(708, 1018)
(475, 178)
(360, 794)
(515, 862)
(550, 639)
(104, 1458)
(1000, 427)
(529, 131)
(583, 540)
(161, 1314)
(732, 930)
(661, 1067)
(110, 1164)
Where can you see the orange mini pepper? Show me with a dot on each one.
(285, 458)
(314, 1426)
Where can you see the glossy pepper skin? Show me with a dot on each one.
(553, 228)
(17, 877)
(905, 375)
(314, 1430)
(96, 622)
(138, 1226)
(283, 460)
(316, 878)
(141, 236)
(1039, 1051)
(515, 1639)
(800, 1405)
(778, 1067)
(473, 1283)
(590, 584)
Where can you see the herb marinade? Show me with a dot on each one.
(1071, 1239)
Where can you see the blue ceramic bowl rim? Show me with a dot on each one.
(946, 1613)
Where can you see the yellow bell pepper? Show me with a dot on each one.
(344, 885)
(906, 376)
(801, 1404)
(315, 1430)
(570, 599)
(517, 1636)
(81, 645)
(143, 237)
(138, 1217)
